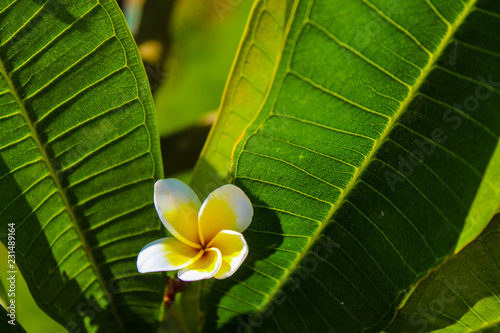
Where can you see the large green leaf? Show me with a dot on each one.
(372, 159)
(246, 88)
(78, 158)
(462, 296)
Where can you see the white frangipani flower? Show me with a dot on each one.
(207, 238)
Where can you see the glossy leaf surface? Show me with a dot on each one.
(245, 90)
(371, 160)
(78, 159)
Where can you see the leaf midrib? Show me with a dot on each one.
(60, 189)
(451, 30)
(482, 328)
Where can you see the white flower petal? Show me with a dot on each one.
(234, 250)
(178, 206)
(166, 254)
(226, 208)
(204, 268)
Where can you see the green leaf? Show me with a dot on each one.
(462, 296)
(247, 85)
(371, 160)
(78, 158)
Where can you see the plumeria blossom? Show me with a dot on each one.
(207, 238)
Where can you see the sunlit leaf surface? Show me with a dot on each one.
(371, 160)
(247, 86)
(78, 158)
